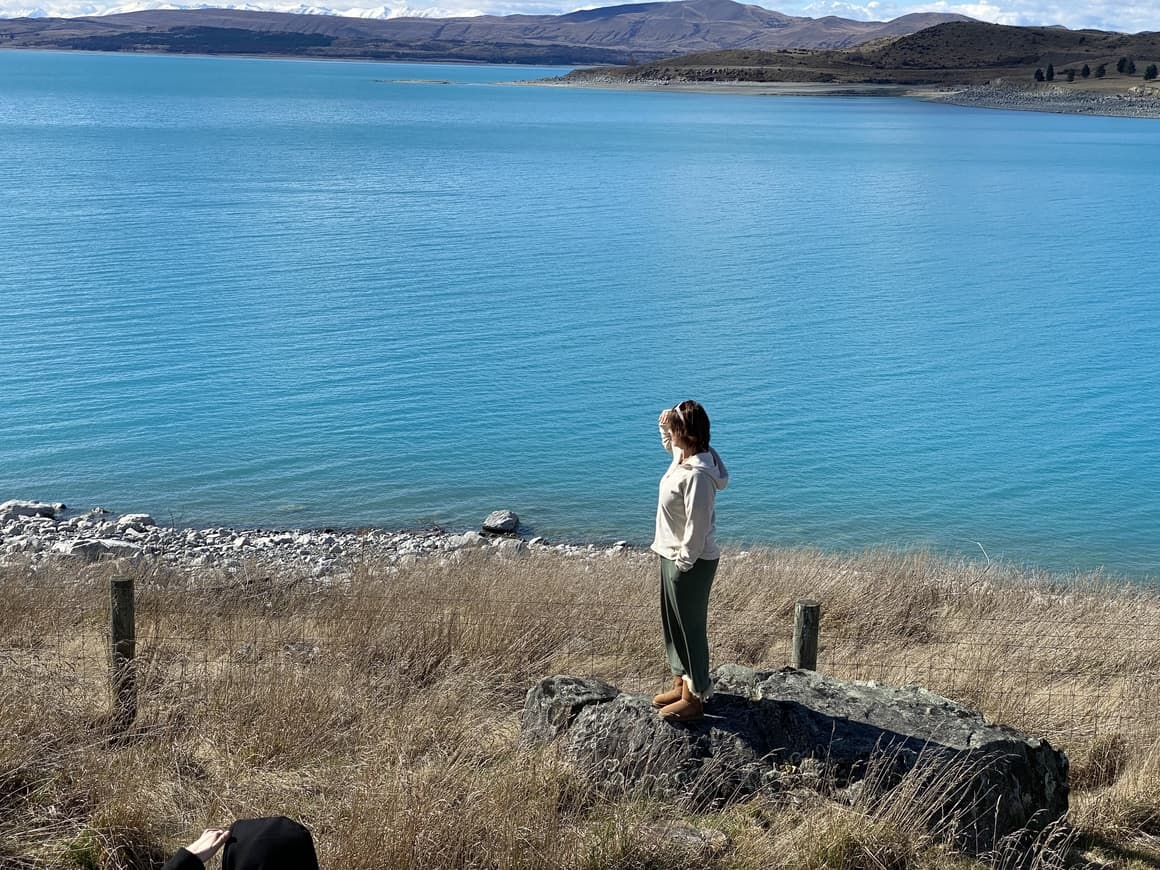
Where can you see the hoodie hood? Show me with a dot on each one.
(275, 843)
(710, 463)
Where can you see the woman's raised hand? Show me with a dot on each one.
(205, 846)
(665, 418)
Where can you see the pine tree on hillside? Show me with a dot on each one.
(1151, 72)
(1086, 71)
(1051, 72)
(1070, 73)
(1131, 67)
(1101, 70)
(1121, 65)
(1039, 75)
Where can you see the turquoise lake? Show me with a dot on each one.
(289, 293)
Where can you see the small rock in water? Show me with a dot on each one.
(501, 522)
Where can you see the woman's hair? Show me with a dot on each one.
(690, 424)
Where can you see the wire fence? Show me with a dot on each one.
(1072, 680)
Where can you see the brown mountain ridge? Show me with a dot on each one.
(615, 34)
(960, 52)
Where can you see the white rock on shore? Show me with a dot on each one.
(136, 521)
(93, 549)
(14, 509)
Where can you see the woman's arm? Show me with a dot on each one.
(663, 425)
(699, 494)
(183, 859)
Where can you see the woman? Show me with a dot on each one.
(689, 555)
(272, 843)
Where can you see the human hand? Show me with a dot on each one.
(666, 418)
(206, 846)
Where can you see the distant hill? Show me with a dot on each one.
(614, 34)
(959, 52)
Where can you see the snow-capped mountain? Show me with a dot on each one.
(69, 9)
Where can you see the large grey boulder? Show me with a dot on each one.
(14, 509)
(501, 522)
(766, 731)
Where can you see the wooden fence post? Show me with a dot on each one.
(124, 649)
(807, 616)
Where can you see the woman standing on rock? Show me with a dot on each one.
(684, 541)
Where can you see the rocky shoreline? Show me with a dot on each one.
(1142, 101)
(1139, 102)
(34, 533)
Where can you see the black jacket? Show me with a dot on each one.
(276, 843)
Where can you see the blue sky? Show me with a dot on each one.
(1124, 15)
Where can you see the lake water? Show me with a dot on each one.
(304, 294)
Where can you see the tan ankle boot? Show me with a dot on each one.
(688, 709)
(673, 694)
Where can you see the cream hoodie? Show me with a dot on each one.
(685, 516)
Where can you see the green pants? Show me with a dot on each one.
(685, 616)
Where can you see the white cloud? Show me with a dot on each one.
(1125, 15)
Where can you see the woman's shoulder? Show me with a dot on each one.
(709, 464)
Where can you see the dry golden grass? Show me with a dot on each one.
(384, 713)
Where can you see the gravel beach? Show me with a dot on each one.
(37, 532)
(1137, 103)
